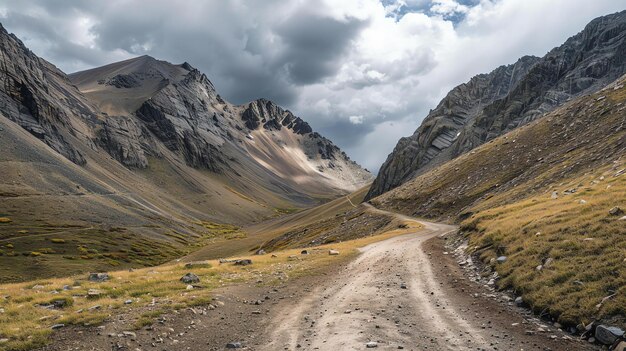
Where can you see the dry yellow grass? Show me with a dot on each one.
(584, 247)
(26, 324)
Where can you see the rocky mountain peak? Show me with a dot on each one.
(492, 104)
(272, 117)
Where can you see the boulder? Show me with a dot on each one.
(191, 265)
(243, 262)
(190, 278)
(304, 252)
(616, 211)
(98, 277)
(608, 335)
(333, 252)
(519, 301)
(371, 344)
(93, 293)
(233, 345)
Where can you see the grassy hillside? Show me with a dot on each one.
(503, 194)
(33, 308)
(565, 255)
(336, 221)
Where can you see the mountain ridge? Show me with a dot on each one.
(585, 63)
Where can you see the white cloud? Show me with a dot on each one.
(377, 68)
(356, 119)
(448, 7)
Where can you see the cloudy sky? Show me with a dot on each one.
(363, 72)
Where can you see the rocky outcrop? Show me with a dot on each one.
(126, 141)
(272, 117)
(510, 96)
(38, 97)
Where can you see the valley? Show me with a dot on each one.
(140, 210)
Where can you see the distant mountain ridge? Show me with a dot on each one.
(492, 104)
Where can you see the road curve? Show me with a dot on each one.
(391, 296)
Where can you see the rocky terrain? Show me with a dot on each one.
(140, 161)
(490, 105)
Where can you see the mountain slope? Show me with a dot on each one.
(544, 192)
(491, 105)
(181, 109)
(146, 163)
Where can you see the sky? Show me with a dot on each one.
(363, 73)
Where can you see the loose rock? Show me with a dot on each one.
(607, 335)
(98, 277)
(190, 278)
(243, 262)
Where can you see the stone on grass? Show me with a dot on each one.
(98, 277)
(190, 278)
(616, 211)
(58, 326)
(260, 252)
(191, 265)
(304, 252)
(333, 252)
(501, 259)
(243, 262)
(93, 293)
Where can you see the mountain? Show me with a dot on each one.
(553, 191)
(140, 161)
(176, 106)
(490, 105)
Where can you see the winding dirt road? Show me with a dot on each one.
(400, 293)
(390, 298)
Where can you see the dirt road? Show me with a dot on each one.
(401, 293)
(391, 298)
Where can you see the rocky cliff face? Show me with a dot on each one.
(38, 97)
(510, 96)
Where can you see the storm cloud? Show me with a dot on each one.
(362, 72)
